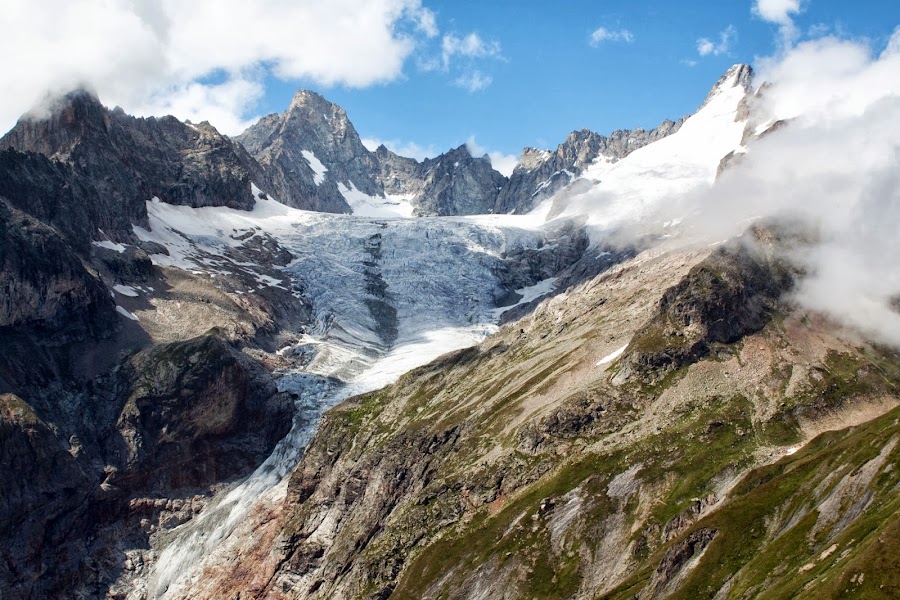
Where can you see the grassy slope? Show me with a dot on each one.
(491, 516)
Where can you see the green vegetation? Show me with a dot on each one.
(766, 542)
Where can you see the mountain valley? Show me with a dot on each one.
(283, 365)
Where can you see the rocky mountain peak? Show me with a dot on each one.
(310, 107)
(113, 163)
(56, 126)
(313, 152)
(457, 183)
(739, 74)
(461, 152)
(531, 158)
(580, 147)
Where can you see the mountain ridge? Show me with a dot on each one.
(512, 405)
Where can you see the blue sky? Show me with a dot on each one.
(422, 75)
(548, 78)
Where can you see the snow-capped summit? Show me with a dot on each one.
(540, 173)
(612, 192)
(738, 75)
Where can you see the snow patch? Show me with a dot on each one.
(316, 165)
(528, 294)
(391, 207)
(612, 356)
(126, 290)
(120, 248)
(126, 314)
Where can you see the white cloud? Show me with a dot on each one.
(777, 11)
(474, 81)
(159, 56)
(504, 163)
(780, 12)
(602, 34)
(836, 167)
(426, 22)
(402, 148)
(470, 46)
(705, 46)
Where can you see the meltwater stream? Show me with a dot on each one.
(388, 295)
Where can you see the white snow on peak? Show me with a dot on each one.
(316, 165)
(631, 188)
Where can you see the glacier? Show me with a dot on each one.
(389, 292)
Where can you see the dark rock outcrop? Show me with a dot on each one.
(457, 183)
(196, 412)
(729, 295)
(47, 486)
(454, 183)
(166, 423)
(118, 162)
(677, 558)
(398, 174)
(45, 287)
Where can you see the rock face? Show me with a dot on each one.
(51, 192)
(540, 174)
(93, 417)
(724, 298)
(196, 412)
(315, 157)
(118, 162)
(45, 287)
(399, 175)
(46, 487)
(174, 418)
(313, 152)
(454, 183)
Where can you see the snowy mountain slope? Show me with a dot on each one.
(539, 174)
(614, 192)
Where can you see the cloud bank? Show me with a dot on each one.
(835, 167)
(203, 59)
